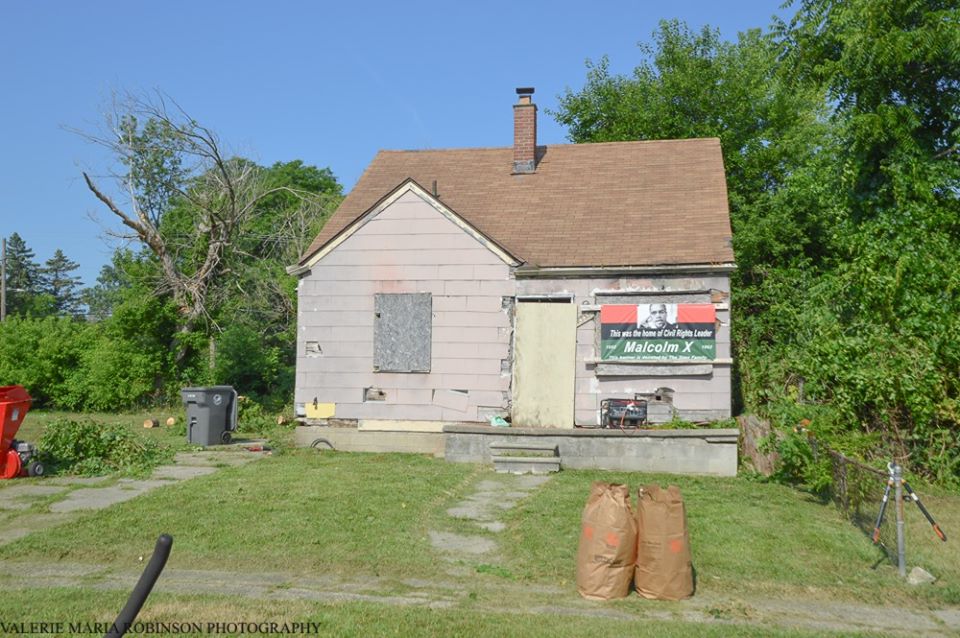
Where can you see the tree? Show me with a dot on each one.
(289, 219)
(168, 159)
(892, 72)
(170, 162)
(262, 300)
(128, 275)
(23, 276)
(102, 297)
(60, 284)
(216, 233)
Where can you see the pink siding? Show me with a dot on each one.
(411, 247)
(408, 247)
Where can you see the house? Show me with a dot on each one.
(532, 283)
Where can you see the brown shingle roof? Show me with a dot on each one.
(611, 204)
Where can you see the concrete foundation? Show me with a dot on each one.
(351, 439)
(711, 452)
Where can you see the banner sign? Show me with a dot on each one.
(658, 331)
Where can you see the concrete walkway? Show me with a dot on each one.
(26, 507)
(492, 498)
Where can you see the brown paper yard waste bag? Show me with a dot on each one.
(608, 543)
(664, 571)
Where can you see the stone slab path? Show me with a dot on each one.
(21, 497)
(52, 501)
(492, 498)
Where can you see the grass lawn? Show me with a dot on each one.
(753, 538)
(368, 516)
(302, 512)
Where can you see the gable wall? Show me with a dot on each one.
(408, 247)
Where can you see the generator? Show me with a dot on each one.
(623, 413)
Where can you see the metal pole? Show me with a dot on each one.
(3, 280)
(901, 542)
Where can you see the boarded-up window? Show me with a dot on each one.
(402, 330)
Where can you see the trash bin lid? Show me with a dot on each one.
(213, 393)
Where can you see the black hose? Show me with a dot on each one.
(139, 595)
(320, 440)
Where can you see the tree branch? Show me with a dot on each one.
(137, 227)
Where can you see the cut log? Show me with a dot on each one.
(172, 420)
(151, 423)
(281, 420)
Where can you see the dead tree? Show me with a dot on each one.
(166, 159)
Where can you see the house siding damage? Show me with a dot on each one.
(407, 248)
(411, 248)
(690, 390)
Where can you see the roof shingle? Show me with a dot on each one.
(609, 204)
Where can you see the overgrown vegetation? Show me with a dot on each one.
(840, 137)
(204, 299)
(88, 448)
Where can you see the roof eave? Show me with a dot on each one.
(535, 272)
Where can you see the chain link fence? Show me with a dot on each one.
(857, 491)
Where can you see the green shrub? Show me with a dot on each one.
(41, 355)
(121, 362)
(253, 419)
(129, 360)
(89, 448)
(250, 416)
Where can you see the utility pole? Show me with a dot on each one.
(3, 280)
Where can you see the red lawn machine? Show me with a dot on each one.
(15, 460)
(15, 456)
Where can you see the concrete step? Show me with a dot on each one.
(523, 450)
(526, 464)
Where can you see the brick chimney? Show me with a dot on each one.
(524, 133)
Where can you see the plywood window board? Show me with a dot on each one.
(403, 330)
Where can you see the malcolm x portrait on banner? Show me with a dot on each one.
(659, 317)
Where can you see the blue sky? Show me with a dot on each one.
(327, 83)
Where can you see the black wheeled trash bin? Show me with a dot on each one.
(211, 414)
